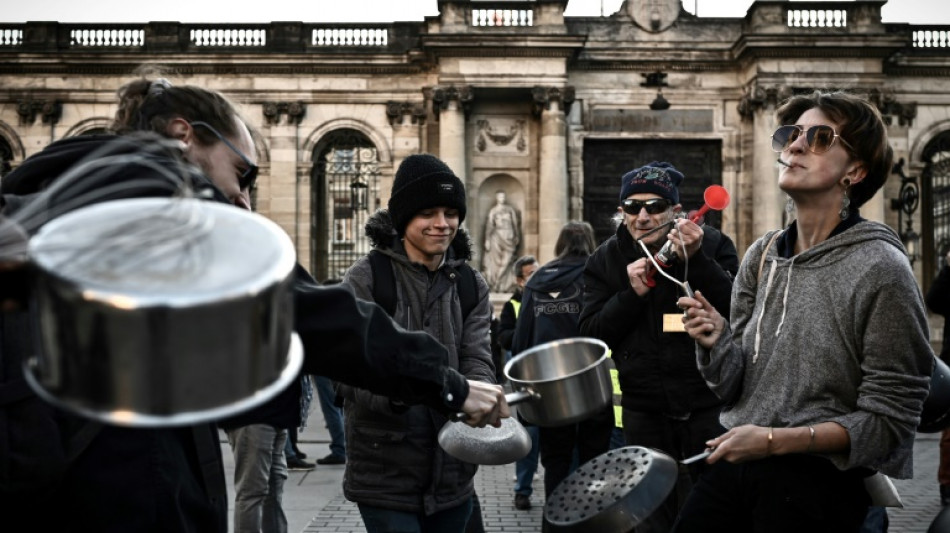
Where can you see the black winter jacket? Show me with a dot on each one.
(657, 370)
(938, 301)
(508, 320)
(537, 323)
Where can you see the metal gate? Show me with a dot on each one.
(935, 181)
(345, 185)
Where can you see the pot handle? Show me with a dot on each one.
(512, 398)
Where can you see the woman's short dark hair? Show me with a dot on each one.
(576, 239)
(150, 104)
(860, 124)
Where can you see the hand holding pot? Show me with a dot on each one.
(485, 404)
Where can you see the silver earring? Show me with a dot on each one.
(845, 201)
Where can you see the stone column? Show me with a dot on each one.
(304, 237)
(768, 199)
(553, 185)
(406, 119)
(758, 105)
(451, 104)
(278, 195)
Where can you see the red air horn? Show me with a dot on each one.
(716, 197)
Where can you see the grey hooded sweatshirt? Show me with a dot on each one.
(837, 333)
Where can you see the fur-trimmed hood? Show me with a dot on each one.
(382, 235)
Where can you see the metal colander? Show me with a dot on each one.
(614, 491)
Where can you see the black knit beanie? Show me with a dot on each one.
(656, 177)
(423, 181)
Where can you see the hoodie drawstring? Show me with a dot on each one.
(768, 286)
(788, 282)
(765, 301)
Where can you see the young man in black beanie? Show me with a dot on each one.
(665, 401)
(395, 472)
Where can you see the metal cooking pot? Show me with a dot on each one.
(561, 382)
(162, 312)
(488, 445)
(614, 491)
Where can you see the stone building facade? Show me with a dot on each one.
(515, 97)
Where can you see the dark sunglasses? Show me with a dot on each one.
(820, 138)
(245, 179)
(654, 206)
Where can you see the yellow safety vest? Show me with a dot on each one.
(615, 380)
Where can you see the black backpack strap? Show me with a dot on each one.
(384, 281)
(468, 290)
(384, 284)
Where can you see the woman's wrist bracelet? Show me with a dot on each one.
(768, 444)
(811, 439)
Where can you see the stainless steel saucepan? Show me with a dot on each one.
(556, 383)
(162, 312)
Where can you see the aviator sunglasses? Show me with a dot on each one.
(245, 179)
(653, 206)
(820, 138)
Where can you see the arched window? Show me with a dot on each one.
(345, 185)
(935, 182)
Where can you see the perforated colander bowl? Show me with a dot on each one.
(614, 491)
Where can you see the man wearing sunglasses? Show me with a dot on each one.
(665, 402)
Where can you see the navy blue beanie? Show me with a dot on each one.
(655, 177)
(423, 181)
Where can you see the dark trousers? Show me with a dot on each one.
(591, 437)
(779, 494)
(680, 438)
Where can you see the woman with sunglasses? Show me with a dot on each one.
(824, 363)
(665, 404)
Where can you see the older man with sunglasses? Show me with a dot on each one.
(627, 304)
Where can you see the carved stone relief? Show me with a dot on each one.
(501, 136)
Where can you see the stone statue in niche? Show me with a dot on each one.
(502, 240)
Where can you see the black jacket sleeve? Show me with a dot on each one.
(938, 297)
(506, 325)
(938, 301)
(610, 303)
(356, 342)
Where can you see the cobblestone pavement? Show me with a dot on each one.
(494, 487)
